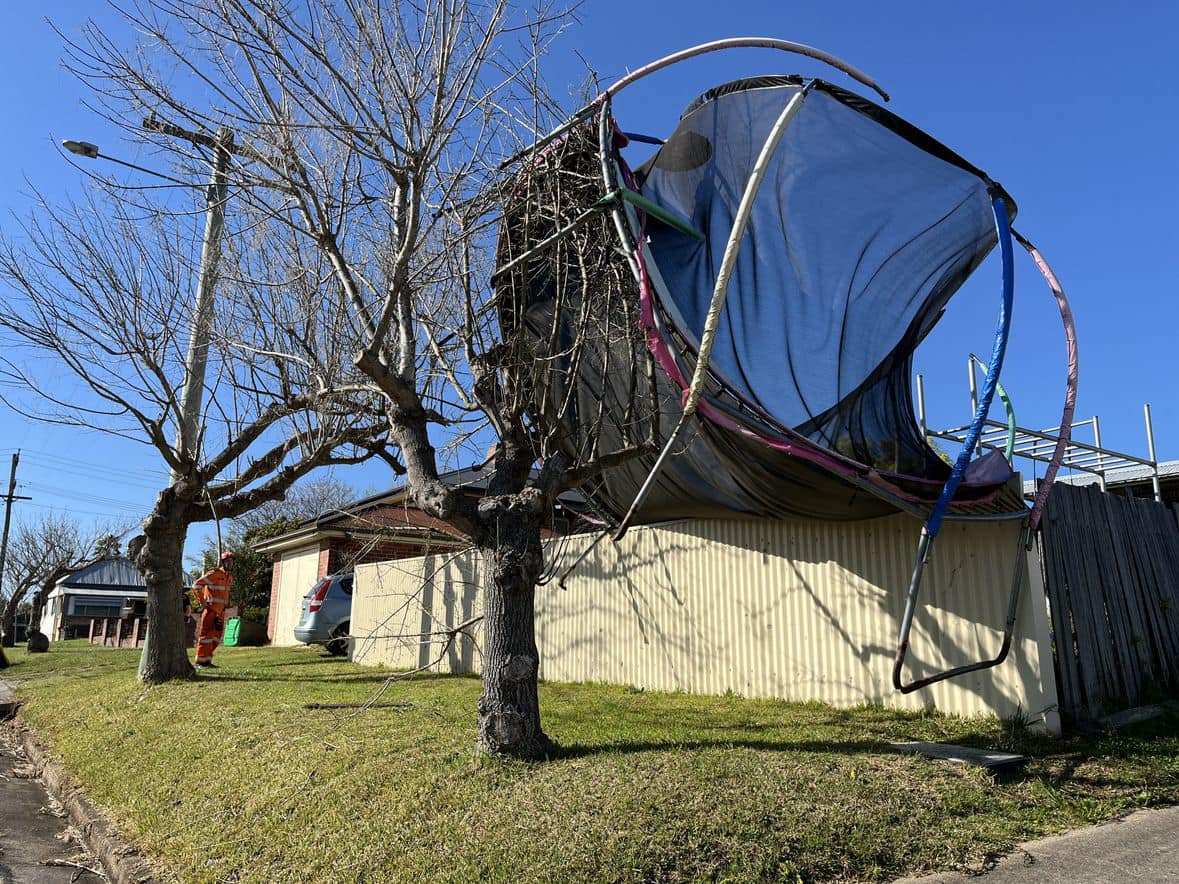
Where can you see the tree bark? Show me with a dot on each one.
(42, 595)
(509, 710)
(8, 621)
(159, 554)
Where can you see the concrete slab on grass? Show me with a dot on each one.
(1002, 764)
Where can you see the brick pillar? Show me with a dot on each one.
(325, 561)
(275, 584)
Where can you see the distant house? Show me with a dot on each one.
(379, 528)
(102, 589)
(1133, 481)
(376, 529)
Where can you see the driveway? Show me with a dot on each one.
(1142, 847)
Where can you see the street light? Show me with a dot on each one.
(82, 149)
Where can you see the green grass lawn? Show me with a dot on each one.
(229, 778)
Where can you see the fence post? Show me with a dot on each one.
(1038, 599)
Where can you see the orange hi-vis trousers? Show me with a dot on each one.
(213, 592)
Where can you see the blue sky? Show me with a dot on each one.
(1073, 107)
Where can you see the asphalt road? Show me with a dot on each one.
(1142, 847)
(30, 833)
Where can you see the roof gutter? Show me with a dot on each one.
(310, 535)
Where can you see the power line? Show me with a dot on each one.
(84, 496)
(73, 510)
(91, 466)
(137, 483)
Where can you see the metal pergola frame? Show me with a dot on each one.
(1038, 445)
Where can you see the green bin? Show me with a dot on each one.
(233, 631)
(245, 633)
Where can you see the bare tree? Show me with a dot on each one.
(370, 133)
(36, 549)
(40, 553)
(306, 500)
(101, 290)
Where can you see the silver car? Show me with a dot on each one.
(327, 610)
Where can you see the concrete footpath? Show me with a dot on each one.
(1142, 847)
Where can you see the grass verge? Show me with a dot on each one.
(229, 778)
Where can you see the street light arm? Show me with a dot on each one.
(91, 152)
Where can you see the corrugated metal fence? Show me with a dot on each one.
(791, 609)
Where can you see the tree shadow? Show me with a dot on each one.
(627, 747)
(326, 680)
(359, 676)
(317, 659)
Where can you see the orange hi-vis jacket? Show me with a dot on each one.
(212, 590)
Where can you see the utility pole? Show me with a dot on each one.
(8, 499)
(202, 314)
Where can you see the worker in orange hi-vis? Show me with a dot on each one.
(212, 591)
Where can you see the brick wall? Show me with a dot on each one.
(275, 582)
(346, 555)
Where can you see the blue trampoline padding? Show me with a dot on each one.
(1003, 229)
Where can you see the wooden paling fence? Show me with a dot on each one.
(1111, 568)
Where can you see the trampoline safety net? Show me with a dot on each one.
(861, 231)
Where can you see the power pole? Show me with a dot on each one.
(8, 499)
(202, 314)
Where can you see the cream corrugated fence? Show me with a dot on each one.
(791, 609)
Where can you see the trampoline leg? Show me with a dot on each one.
(624, 525)
(581, 558)
(923, 550)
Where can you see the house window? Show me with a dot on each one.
(97, 606)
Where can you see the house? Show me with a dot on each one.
(107, 588)
(791, 609)
(1133, 481)
(381, 528)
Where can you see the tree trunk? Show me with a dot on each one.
(509, 710)
(8, 622)
(42, 595)
(159, 553)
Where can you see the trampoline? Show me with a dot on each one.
(790, 244)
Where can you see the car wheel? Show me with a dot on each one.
(338, 645)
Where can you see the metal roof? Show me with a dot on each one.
(113, 573)
(474, 478)
(1115, 478)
